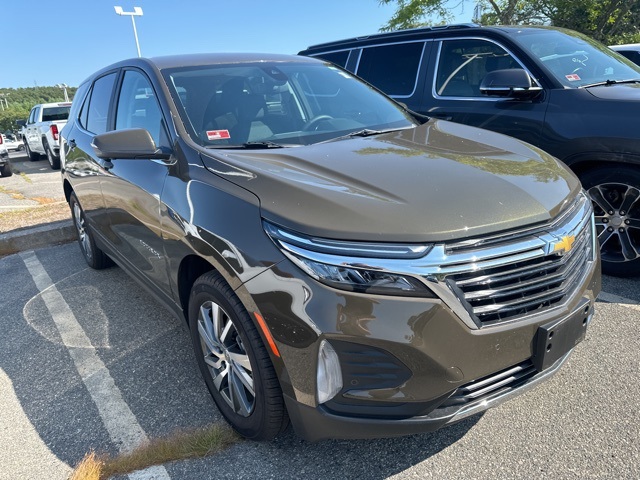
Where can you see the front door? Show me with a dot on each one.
(454, 94)
(132, 188)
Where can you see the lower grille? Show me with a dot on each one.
(506, 379)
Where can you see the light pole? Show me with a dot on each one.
(3, 101)
(64, 86)
(137, 12)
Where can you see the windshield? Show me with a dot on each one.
(277, 103)
(52, 114)
(574, 59)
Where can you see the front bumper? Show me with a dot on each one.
(314, 424)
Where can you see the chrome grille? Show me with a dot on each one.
(510, 378)
(515, 286)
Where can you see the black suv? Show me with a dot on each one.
(553, 88)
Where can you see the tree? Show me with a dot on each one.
(610, 21)
(414, 13)
(21, 100)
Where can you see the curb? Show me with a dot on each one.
(29, 238)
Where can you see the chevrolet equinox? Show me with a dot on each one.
(341, 264)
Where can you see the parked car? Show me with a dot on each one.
(12, 143)
(5, 162)
(339, 263)
(630, 50)
(553, 88)
(41, 131)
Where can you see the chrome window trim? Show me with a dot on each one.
(434, 91)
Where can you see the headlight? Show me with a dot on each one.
(349, 265)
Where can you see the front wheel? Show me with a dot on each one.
(32, 156)
(94, 257)
(615, 193)
(233, 360)
(53, 159)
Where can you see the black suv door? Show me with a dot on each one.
(453, 90)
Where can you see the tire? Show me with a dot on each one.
(54, 161)
(32, 156)
(94, 257)
(5, 170)
(222, 331)
(615, 193)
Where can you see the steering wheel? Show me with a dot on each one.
(315, 121)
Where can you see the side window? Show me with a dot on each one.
(392, 68)
(338, 58)
(463, 64)
(138, 106)
(98, 105)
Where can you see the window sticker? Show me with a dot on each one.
(218, 134)
(573, 77)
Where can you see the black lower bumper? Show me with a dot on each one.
(317, 423)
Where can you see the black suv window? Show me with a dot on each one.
(338, 58)
(138, 106)
(392, 68)
(98, 105)
(462, 65)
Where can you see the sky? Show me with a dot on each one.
(66, 41)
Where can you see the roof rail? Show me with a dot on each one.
(399, 33)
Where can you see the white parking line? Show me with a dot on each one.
(625, 302)
(120, 422)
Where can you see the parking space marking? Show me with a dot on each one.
(120, 422)
(623, 301)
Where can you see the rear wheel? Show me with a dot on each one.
(53, 159)
(615, 193)
(233, 360)
(5, 170)
(94, 257)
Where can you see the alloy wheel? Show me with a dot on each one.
(617, 215)
(82, 234)
(226, 358)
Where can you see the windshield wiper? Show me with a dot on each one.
(611, 82)
(262, 144)
(365, 132)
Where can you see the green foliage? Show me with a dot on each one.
(609, 21)
(21, 101)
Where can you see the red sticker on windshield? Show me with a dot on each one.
(573, 77)
(218, 134)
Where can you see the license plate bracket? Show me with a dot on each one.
(554, 339)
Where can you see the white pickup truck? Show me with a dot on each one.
(41, 131)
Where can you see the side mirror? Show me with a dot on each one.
(21, 123)
(129, 143)
(509, 83)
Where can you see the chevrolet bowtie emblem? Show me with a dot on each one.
(564, 245)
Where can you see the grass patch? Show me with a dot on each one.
(36, 215)
(178, 446)
(26, 177)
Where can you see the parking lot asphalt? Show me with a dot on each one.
(68, 331)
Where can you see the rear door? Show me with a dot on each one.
(398, 69)
(81, 163)
(453, 89)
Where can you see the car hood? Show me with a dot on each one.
(627, 92)
(437, 182)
